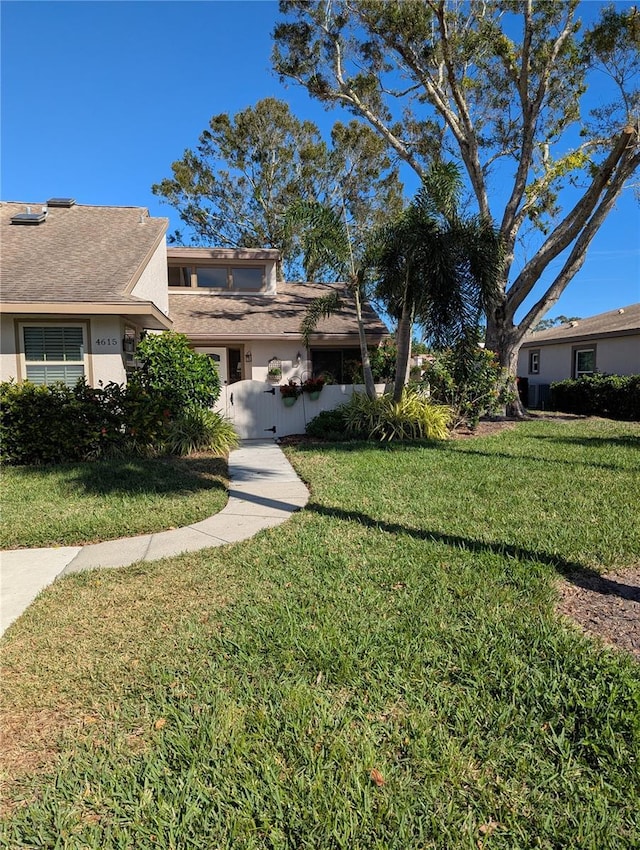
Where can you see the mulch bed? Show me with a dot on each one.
(607, 606)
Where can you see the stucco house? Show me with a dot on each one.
(608, 343)
(79, 284)
(229, 304)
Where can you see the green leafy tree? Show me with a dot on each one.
(545, 324)
(171, 370)
(436, 267)
(499, 86)
(237, 187)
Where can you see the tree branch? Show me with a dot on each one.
(618, 166)
(573, 263)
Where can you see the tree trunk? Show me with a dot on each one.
(369, 384)
(403, 344)
(503, 339)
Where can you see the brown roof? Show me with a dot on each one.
(79, 254)
(621, 322)
(215, 314)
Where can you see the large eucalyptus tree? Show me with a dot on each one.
(501, 86)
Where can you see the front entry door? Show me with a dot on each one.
(219, 356)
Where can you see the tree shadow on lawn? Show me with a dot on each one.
(631, 441)
(128, 476)
(575, 573)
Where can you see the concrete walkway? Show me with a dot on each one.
(264, 491)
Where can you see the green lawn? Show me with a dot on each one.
(403, 624)
(87, 502)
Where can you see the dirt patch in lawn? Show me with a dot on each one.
(607, 606)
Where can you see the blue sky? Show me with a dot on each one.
(99, 98)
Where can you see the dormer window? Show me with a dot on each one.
(221, 277)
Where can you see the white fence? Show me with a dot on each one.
(257, 410)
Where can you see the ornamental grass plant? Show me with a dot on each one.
(414, 417)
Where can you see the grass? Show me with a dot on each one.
(79, 503)
(385, 670)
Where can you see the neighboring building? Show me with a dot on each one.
(608, 343)
(78, 285)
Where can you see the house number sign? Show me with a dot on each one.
(107, 340)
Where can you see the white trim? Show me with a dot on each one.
(25, 364)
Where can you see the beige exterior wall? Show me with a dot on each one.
(614, 356)
(286, 351)
(153, 282)
(105, 349)
(103, 361)
(270, 278)
(8, 359)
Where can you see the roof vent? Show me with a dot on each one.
(28, 217)
(61, 202)
(573, 324)
(621, 311)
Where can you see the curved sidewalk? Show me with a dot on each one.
(264, 491)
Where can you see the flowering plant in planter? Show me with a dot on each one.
(313, 385)
(290, 390)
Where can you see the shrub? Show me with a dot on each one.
(200, 430)
(470, 381)
(414, 417)
(613, 396)
(52, 424)
(328, 425)
(170, 369)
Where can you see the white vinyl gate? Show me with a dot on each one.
(257, 411)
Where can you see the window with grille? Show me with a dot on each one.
(54, 353)
(584, 361)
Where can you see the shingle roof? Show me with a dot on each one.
(80, 254)
(245, 316)
(625, 320)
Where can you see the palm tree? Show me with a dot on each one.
(436, 268)
(328, 246)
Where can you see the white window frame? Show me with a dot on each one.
(577, 351)
(534, 362)
(84, 362)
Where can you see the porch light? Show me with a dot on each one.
(298, 359)
(247, 357)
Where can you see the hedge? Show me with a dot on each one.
(612, 396)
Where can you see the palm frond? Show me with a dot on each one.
(324, 239)
(320, 308)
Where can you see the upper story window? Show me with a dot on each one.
(222, 277)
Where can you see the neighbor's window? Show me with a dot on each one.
(54, 353)
(534, 362)
(585, 361)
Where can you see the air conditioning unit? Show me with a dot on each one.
(539, 396)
